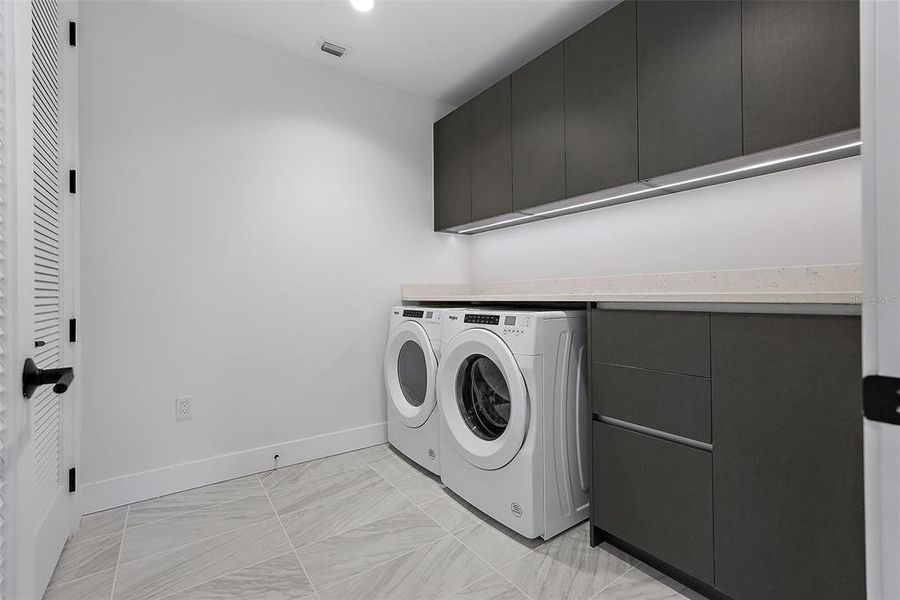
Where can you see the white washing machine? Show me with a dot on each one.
(515, 416)
(410, 369)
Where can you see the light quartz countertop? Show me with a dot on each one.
(820, 284)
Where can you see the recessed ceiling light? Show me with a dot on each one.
(363, 5)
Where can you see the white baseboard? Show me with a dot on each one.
(126, 489)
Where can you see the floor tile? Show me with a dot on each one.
(495, 543)
(310, 470)
(567, 567)
(164, 574)
(190, 500)
(493, 587)
(190, 527)
(637, 584)
(373, 453)
(433, 571)
(342, 514)
(279, 578)
(393, 468)
(323, 491)
(92, 587)
(84, 557)
(452, 512)
(420, 488)
(342, 556)
(101, 523)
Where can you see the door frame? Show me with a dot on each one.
(880, 95)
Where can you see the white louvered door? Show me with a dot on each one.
(52, 416)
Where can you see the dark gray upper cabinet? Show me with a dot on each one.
(787, 461)
(490, 133)
(538, 131)
(689, 84)
(800, 70)
(452, 181)
(601, 103)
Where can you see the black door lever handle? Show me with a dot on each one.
(33, 377)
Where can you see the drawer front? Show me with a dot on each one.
(675, 342)
(656, 495)
(677, 404)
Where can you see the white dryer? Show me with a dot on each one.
(515, 418)
(410, 369)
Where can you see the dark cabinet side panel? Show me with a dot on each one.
(800, 70)
(788, 467)
(601, 103)
(538, 131)
(491, 142)
(676, 342)
(689, 84)
(656, 495)
(452, 184)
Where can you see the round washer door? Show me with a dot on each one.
(409, 373)
(483, 398)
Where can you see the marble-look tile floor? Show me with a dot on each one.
(356, 526)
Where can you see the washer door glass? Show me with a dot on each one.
(483, 397)
(412, 373)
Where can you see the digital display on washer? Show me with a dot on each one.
(509, 320)
(416, 314)
(483, 319)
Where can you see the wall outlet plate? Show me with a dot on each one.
(183, 408)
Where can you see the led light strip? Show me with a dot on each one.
(480, 227)
(768, 163)
(753, 167)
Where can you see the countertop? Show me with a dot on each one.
(819, 284)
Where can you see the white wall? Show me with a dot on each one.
(247, 220)
(805, 216)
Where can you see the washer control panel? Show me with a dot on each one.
(482, 319)
(420, 314)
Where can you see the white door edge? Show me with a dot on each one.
(410, 331)
(880, 96)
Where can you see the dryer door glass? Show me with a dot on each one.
(483, 397)
(412, 372)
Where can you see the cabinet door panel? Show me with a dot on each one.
(538, 130)
(787, 462)
(601, 103)
(656, 495)
(452, 184)
(676, 342)
(800, 70)
(491, 138)
(689, 84)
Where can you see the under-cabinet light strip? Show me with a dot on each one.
(480, 227)
(764, 164)
(744, 169)
(761, 165)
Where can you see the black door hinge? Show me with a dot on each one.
(72, 178)
(72, 38)
(73, 330)
(71, 480)
(881, 399)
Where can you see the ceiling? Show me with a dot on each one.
(446, 50)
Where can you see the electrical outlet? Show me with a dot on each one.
(183, 408)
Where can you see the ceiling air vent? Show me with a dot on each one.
(332, 49)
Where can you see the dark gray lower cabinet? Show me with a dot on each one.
(787, 460)
(774, 511)
(538, 131)
(601, 103)
(656, 495)
(689, 83)
(490, 131)
(452, 181)
(800, 70)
